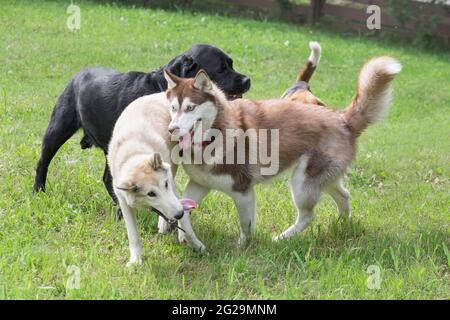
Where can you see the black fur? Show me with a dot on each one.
(94, 99)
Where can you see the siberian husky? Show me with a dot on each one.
(139, 160)
(318, 144)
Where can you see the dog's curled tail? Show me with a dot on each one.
(313, 60)
(374, 93)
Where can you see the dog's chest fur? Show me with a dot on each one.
(206, 176)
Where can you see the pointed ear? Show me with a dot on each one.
(127, 185)
(172, 80)
(156, 162)
(202, 81)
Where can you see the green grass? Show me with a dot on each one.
(400, 180)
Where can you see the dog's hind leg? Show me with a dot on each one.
(197, 193)
(341, 196)
(305, 193)
(86, 142)
(63, 124)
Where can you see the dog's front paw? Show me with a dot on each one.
(200, 247)
(181, 237)
(277, 238)
(243, 241)
(196, 244)
(135, 261)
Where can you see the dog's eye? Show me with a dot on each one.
(190, 108)
(151, 194)
(167, 185)
(173, 108)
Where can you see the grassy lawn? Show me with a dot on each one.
(400, 182)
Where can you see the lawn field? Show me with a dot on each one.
(400, 181)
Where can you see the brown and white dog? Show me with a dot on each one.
(318, 144)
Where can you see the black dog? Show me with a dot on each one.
(94, 99)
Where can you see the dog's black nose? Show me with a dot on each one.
(179, 215)
(172, 129)
(246, 82)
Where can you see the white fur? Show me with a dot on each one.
(197, 193)
(203, 176)
(305, 196)
(185, 120)
(201, 182)
(376, 102)
(140, 133)
(316, 51)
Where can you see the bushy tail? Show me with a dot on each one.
(374, 94)
(313, 60)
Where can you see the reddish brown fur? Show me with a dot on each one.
(303, 129)
(307, 72)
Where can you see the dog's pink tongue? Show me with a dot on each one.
(185, 142)
(188, 204)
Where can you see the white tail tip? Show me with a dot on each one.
(316, 51)
(394, 67)
(385, 65)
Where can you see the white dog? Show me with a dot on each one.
(139, 160)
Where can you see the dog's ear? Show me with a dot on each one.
(172, 80)
(202, 81)
(182, 66)
(127, 185)
(156, 162)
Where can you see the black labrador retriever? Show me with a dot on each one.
(94, 99)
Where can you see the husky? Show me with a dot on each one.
(138, 156)
(317, 143)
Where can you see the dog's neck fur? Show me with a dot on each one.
(231, 116)
(228, 117)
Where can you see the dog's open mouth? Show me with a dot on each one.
(168, 220)
(185, 141)
(188, 205)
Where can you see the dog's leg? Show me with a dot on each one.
(195, 192)
(63, 124)
(246, 207)
(163, 226)
(108, 182)
(341, 196)
(305, 194)
(129, 215)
